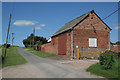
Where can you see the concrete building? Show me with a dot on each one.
(88, 32)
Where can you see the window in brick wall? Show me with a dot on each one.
(92, 42)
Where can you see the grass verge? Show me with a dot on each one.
(28, 49)
(42, 54)
(12, 58)
(98, 70)
(39, 53)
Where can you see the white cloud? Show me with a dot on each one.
(40, 27)
(117, 27)
(24, 23)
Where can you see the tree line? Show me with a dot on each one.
(38, 40)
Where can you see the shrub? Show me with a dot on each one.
(36, 47)
(118, 54)
(106, 60)
(8, 45)
(26, 45)
(29, 46)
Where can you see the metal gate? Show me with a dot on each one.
(62, 41)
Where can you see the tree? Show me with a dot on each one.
(118, 42)
(38, 40)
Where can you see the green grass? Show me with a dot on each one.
(0, 51)
(39, 53)
(42, 54)
(29, 49)
(12, 58)
(98, 70)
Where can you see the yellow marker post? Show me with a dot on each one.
(77, 53)
(106, 49)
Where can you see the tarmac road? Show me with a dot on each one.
(51, 68)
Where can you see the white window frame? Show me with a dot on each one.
(92, 42)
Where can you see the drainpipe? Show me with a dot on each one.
(72, 43)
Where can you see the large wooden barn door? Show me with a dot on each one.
(62, 41)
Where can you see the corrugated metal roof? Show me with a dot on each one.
(71, 24)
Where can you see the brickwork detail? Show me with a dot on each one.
(91, 27)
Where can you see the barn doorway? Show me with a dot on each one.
(62, 41)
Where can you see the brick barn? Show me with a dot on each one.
(115, 47)
(88, 32)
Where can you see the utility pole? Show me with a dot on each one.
(33, 36)
(12, 38)
(9, 38)
(7, 35)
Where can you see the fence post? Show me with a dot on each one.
(77, 52)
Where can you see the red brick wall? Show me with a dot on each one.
(96, 22)
(83, 31)
(81, 34)
(81, 37)
(51, 47)
(68, 43)
(115, 48)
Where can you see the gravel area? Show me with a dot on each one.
(80, 65)
(29, 71)
(22, 71)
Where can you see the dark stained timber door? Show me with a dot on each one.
(62, 41)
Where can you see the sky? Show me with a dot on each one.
(49, 17)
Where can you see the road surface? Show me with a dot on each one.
(46, 68)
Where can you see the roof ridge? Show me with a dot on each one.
(80, 16)
(71, 23)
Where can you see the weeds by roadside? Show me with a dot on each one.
(107, 66)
